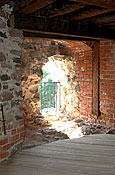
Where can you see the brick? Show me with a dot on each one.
(7, 147)
(13, 132)
(4, 141)
(22, 134)
(21, 123)
(107, 83)
(9, 126)
(14, 138)
(20, 129)
(4, 155)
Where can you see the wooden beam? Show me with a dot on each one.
(102, 19)
(59, 8)
(87, 13)
(34, 5)
(110, 24)
(67, 9)
(53, 36)
(96, 79)
(60, 27)
(2, 2)
(101, 3)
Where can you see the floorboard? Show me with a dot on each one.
(89, 155)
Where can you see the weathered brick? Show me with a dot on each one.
(22, 134)
(4, 155)
(4, 141)
(13, 131)
(107, 84)
(21, 122)
(20, 129)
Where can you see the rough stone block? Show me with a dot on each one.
(3, 35)
(6, 96)
(5, 65)
(16, 60)
(2, 23)
(15, 52)
(19, 117)
(5, 77)
(2, 57)
(16, 33)
(15, 103)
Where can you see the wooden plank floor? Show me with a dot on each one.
(89, 155)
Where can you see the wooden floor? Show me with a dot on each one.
(89, 155)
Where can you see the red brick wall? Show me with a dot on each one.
(107, 81)
(11, 141)
(84, 78)
(84, 56)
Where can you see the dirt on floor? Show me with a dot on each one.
(59, 129)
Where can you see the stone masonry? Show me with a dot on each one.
(10, 87)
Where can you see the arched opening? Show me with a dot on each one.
(74, 62)
(55, 62)
(59, 88)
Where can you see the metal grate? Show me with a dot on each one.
(50, 93)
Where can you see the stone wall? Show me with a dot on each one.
(84, 77)
(10, 87)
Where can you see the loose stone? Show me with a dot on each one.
(15, 52)
(3, 35)
(2, 24)
(16, 60)
(6, 96)
(5, 77)
(2, 57)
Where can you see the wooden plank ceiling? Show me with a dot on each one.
(92, 19)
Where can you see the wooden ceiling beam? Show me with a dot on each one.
(87, 13)
(102, 19)
(101, 3)
(53, 36)
(60, 27)
(2, 2)
(112, 24)
(34, 5)
(59, 8)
